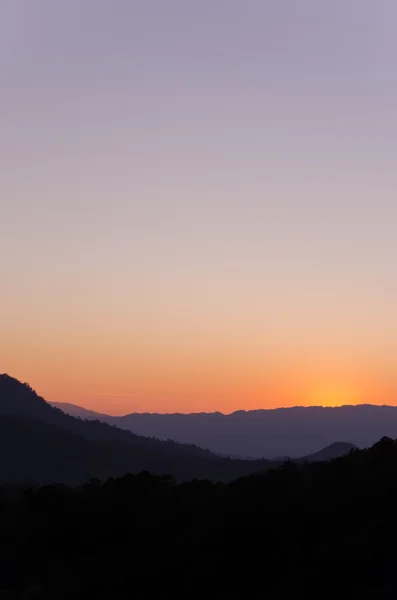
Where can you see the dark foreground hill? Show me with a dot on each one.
(319, 530)
(293, 432)
(39, 443)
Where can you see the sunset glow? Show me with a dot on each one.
(333, 396)
(198, 204)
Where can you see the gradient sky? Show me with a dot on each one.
(198, 202)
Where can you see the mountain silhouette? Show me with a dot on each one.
(284, 432)
(40, 443)
(335, 450)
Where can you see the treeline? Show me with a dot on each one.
(322, 530)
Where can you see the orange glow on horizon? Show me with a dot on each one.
(119, 380)
(332, 396)
(112, 395)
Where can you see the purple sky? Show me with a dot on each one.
(198, 199)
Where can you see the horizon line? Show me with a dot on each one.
(220, 413)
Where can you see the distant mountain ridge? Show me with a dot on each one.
(78, 411)
(292, 432)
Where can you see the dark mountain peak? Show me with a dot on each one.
(6, 381)
(11, 384)
(17, 398)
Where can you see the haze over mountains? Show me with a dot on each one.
(284, 432)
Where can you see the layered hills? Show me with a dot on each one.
(283, 432)
(40, 443)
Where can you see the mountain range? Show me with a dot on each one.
(283, 432)
(40, 443)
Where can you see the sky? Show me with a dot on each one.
(198, 202)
